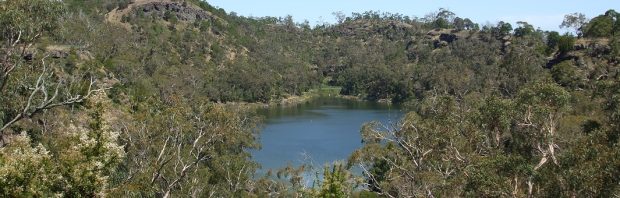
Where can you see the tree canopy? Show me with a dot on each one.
(158, 99)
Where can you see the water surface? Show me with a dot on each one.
(317, 132)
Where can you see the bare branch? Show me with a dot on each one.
(49, 102)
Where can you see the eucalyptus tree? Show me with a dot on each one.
(576, 21)
(31, 83)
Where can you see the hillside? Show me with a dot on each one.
(144, 98)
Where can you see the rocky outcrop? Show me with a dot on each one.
(182, 11)
(443, 37)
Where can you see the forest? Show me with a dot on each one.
(152, 98)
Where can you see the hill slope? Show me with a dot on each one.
(140, 98)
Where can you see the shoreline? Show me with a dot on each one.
(293, 100)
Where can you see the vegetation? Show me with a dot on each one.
(138, 99)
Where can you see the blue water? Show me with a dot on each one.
(317, 132)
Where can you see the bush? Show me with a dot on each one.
(566, 43)
(566, 74)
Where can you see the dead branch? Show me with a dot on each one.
(48, 102)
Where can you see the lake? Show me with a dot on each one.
(317, 132)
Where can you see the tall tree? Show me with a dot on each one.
(576, 21)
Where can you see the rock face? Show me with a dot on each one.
(448, 37)
(182, 11)
(443, 37)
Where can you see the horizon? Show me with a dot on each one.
(481, 12)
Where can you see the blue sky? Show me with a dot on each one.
(546, 14)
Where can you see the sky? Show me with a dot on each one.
(546, 14)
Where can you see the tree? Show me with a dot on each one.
(541, 107)
(440, 19)
(424, 155)
(441, 23)
(334, 183)
(185, 150)
(459, 23)
(340, 17)
(24, 23)
(502, 29)
(469, 25)
(495, 117)
(566, 43)
(26, 170)
(446, 14)
(566, 75)
(77, 161)
(524, 29)
(73, 158)
(601, 26)
(553, 38)
(576, 21)
(464, 24)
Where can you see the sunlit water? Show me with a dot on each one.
(317, 132)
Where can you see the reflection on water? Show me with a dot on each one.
(317, 132)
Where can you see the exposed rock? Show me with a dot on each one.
(435, 32)
(506, 38)
(448, 37)
(182, 11)
(443, 37)
(580, 46)
(58, 54)
(597, 50)
(28, 56)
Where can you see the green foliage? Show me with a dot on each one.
(23, 22)
(209, 141)
(487, 118)
(464, 24)
(553, 38)
(497, 158)
(77, 162)
(442, 19)
(566, 43)
(615, 46)
(441, 23)
(502, 29)
(575, 20)
(524, 29)
(545, 98)
(27, 19)
(334, 183)
(602, 25)
(491, 176)
(495, 117)
(87, 165)
(26, 170)
(566, 75)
